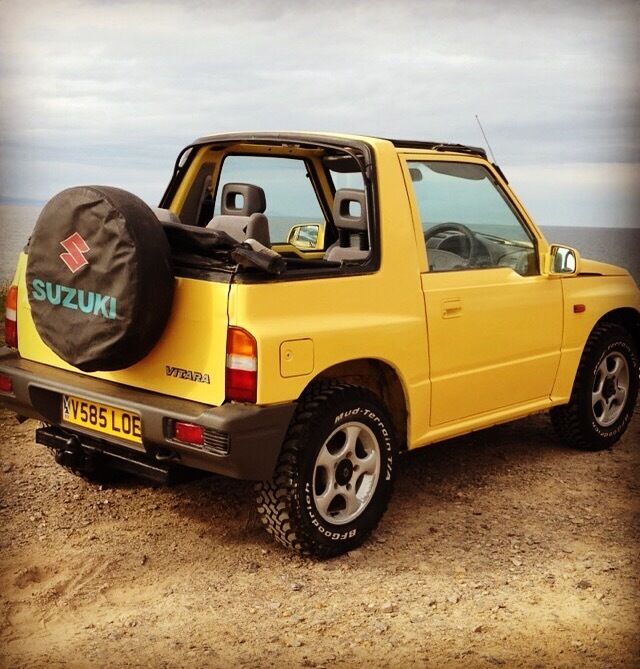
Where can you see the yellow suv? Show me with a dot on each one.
(299, 310)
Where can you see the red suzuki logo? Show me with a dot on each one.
(75, 246)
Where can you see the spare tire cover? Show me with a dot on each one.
(99, 276)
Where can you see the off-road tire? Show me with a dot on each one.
(100, 278)
(575, 422)
(286, 503)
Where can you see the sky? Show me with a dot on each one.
(93, 91)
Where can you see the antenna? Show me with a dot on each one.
(493, 158)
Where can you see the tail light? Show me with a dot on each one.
(6, 385)
(189, 433)
(11, 317)
(242, 366)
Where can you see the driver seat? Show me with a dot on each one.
(350, 221)
(242, 213)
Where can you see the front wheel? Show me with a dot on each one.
(604, 392)
(335, 473)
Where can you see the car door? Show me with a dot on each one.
(494, 321)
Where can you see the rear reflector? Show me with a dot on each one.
(242, 366)
(11, 317)
(189, 433)
(6, 385)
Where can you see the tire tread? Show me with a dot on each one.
(567, 420)
(274, 497)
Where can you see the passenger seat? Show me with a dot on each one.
(242, 213)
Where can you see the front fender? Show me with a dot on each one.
(588, 299)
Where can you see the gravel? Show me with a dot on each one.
(498, 549)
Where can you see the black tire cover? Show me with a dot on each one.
(99, 277)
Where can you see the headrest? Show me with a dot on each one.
(349, 210)
(242, 200)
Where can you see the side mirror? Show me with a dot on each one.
(563, 260)
(305, 237)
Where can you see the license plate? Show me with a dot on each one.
(101, 418)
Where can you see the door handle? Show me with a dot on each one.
(451, 308)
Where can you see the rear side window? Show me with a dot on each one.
(346, 180)
(291, 198)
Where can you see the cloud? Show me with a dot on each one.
(103, 91)
(579, 194)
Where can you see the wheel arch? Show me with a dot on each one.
(382, 379)
(627, 317)
(575, 420)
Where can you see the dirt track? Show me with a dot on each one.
(499, 549)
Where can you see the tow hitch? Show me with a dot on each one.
(71, 455)
(86, 454)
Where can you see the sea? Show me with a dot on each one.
(619, 246)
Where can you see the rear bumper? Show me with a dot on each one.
(246, 438)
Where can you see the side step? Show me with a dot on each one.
(83, 452)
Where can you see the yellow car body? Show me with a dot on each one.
(448, 352)
(374, 323)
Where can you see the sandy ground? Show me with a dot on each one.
(498, 549)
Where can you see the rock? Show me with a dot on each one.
(478, 629)
(516, 563)
(453, 599)
(296, 587)
(253, 567)
(583, 584)
(388, 607)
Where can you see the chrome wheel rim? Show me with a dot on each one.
(346, 473)
(610, 389)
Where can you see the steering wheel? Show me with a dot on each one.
(472, 240)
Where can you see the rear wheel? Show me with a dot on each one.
(335, 473)
(604, 392)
